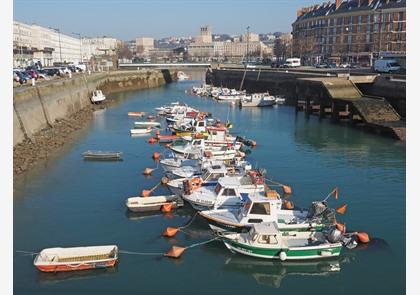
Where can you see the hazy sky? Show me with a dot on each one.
(127, 19)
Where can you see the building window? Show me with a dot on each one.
(349, 39)
(375, 27)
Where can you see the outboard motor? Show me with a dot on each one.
(317, 209)
(334, 235)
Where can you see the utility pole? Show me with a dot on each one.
(80, 39)
(59, 42)
(247, 44)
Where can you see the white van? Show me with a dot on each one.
(292, 62)
(386, 66)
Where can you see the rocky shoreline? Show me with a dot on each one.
(28, 153)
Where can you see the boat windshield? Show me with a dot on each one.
(261, 208)
(267, 239)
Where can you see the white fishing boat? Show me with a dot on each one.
(138, 131)
(97, 96)
(280, 100)
(76, 258)
(146, 124)
(265, 240)
(271, 208)
(171, 161)
(182, 76)
(155, 203)
(230, 192)
(207, 179)
(258, 100)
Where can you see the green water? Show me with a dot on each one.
(70, 202)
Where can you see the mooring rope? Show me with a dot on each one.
(138, 253)
(201, 243)
(189, 222)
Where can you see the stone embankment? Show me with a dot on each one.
(45, 116)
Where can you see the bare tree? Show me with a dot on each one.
(124, 52)
(280, 49)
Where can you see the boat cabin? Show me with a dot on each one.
(265, 234)
(213, 173)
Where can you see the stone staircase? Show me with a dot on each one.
(375, 110)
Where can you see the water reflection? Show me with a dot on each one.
(271, 273)
(59, 277)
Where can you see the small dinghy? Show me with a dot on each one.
(137, 131)
(265, 240)
(97, 96)
(147, 124)
(102, 156)
(144, 204)
(76, 258)
(135, 114)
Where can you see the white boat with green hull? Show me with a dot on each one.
(265, 240)
(257, 210)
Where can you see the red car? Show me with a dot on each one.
(32, 74)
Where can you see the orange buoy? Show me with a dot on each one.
(342, 209)
(164, 180)
(253, 143)
(147, 171)
(287, 189)
(363, 237)
(156, 155)
(341, 227)
(166, 208)
(170, 231)
(175, 252)
(157, 132)
(152, 140)
(145, 193)
(289, 205)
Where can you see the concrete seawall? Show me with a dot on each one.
(38, 107)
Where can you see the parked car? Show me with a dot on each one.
(42, 74)
(344, 65)
(54, 72)
(23, 77)
(292, 62)
(321, 65)
(32, 74)
(65, 70)
(16, 77)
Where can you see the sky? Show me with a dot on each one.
(128, 19)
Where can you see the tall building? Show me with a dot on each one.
(99, 46)
(350, 31)
(144, 45)
(205, 35)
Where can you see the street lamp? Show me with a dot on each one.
(80, 39)
(59, 42)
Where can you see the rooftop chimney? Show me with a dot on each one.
(338, 3)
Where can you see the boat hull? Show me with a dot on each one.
(304, 253)
(77, 266)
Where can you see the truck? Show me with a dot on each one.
(386, 66)
(292, 62)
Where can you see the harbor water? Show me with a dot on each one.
(67, 201)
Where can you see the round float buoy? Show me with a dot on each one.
(166, 208)
(170, 231)
(287, 189)
(147, 171)
(363, 237)
(145, 193)
(152, 140)
(156, 155)
(283, 256)
(289, 205)
(164, 180)
(253, 143)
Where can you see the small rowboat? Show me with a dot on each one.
(135, 114)
(140, 131)
(147, 124)
(76, 258)
(102, 155)
(143, 204)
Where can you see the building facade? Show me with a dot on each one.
(350, 31)
(144, 45)
(34, 43)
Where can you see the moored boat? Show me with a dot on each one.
(102, 155)
(140, 131)
(76, 258)
(155, 203)
(136, 114)
(146, 124)
(265, 240)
